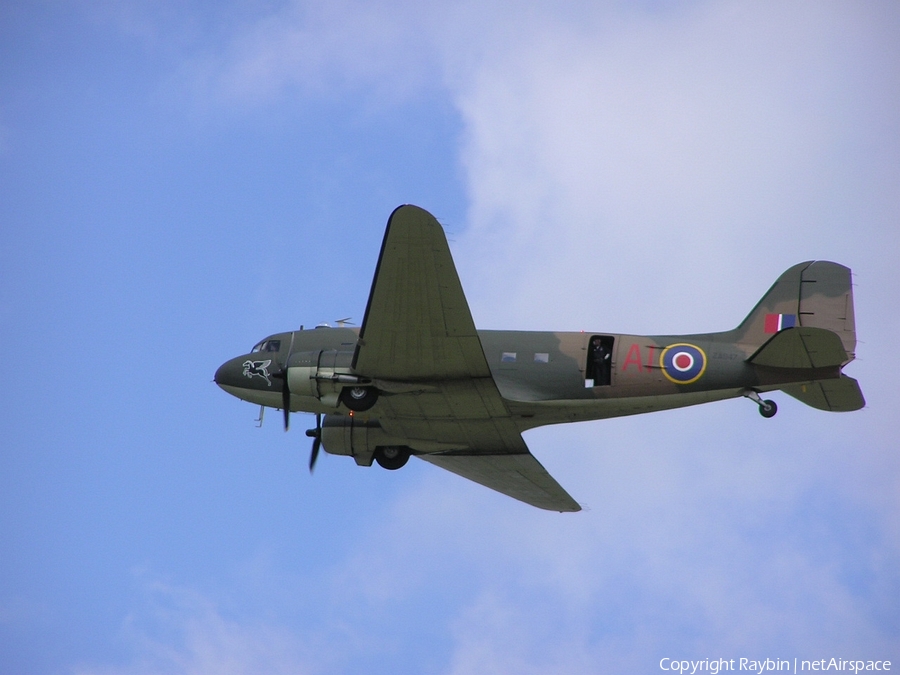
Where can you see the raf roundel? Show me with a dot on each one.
(683, 363)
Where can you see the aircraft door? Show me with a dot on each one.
(598, 369)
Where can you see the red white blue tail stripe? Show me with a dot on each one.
(778, 322)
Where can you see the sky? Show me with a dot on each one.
(180, 180)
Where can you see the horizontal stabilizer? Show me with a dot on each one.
(839, 395)
(801, 348)
(519, 476)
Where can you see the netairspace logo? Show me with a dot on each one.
(713, 666)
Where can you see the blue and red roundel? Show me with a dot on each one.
(682, 363)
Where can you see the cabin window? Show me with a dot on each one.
(542, 357)
(508, 357)
(598, 370)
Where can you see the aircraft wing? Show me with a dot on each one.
(519, 476)
(417, 324)
(418, 329)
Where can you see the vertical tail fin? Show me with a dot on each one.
(816, 294)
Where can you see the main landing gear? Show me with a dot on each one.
(359, 399)
(391, 456)
(767, 407)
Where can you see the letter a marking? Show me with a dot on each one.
(634, 356)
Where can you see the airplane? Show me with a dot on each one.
(417, 378)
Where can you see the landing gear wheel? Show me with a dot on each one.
(391, 457)
(359, 399)
(768, 408)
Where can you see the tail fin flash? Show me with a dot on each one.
(814, 294)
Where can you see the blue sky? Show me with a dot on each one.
(179, 180)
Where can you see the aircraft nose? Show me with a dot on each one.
(229, 373)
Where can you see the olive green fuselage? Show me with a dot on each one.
(545, 377)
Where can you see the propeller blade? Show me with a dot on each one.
(286, 401)
(316, 435)
(285, 396)
(314, 455)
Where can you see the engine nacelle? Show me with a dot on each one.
(365, 440)
(358, 439)
(321, 375)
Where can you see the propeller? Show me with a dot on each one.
(285, 396)
(285, 387)
(286, 401)
(316, 435)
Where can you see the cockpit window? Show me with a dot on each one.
(266, 346)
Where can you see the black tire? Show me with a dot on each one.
(768, 409)
(391, 457)
(359, 399)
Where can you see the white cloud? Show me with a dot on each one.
(180, 631)
(320, 49)
(663, 164)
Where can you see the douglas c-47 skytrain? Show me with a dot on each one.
(417, 378)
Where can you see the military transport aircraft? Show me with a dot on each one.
(418, 379)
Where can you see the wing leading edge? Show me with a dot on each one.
(418, 329)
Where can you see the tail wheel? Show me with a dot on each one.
(359, 399)
(391, 457)
(768, 408)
